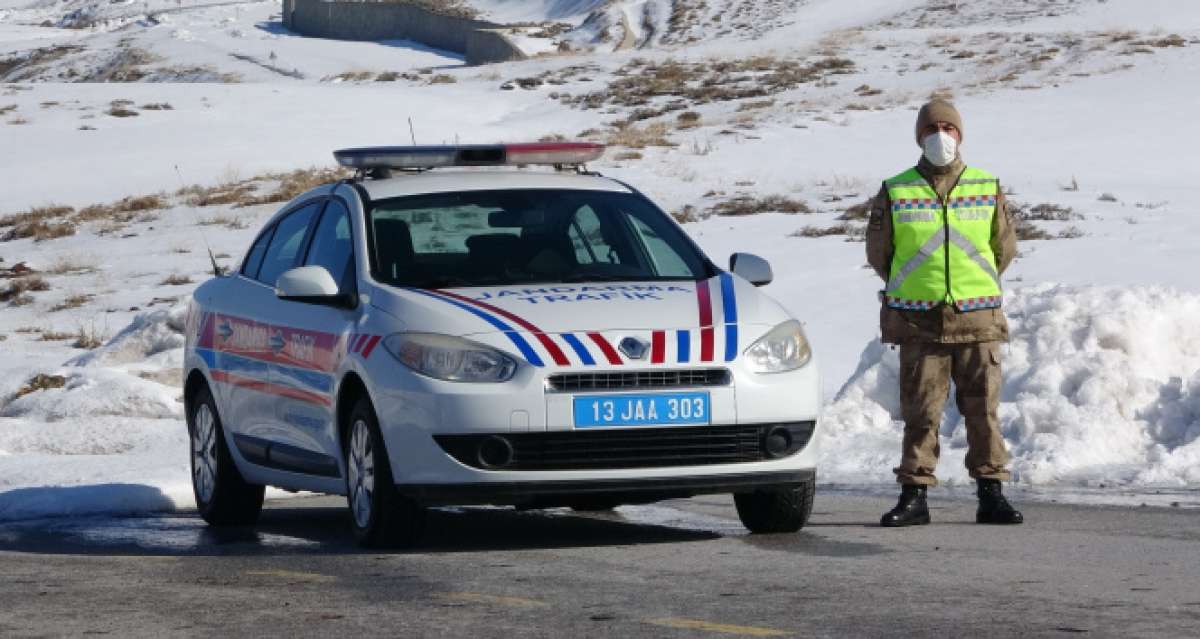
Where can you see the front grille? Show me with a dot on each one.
(611, 381)
(629, 448)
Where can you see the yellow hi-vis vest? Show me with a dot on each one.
(943, 252)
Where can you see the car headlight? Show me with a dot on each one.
(448, 358)
(783, 349)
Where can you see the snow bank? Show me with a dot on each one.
(1102, 388)
(149, 335)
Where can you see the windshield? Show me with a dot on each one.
(496, 238)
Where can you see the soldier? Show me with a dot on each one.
(940, 237)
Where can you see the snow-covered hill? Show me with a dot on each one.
(763, 125)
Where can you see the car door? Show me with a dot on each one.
(307, 361)
(249, 338)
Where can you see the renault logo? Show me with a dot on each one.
(634, 348)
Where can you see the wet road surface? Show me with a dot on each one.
(678, 569)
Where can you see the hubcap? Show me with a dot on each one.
(362, 473)
(204, 453)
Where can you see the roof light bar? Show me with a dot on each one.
(430, 157)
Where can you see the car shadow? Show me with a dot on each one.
(325, 530)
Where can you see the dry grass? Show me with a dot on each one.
(639, 137)
(71, 265)
(224, 219)
(157, 106)
(857, 212)
(88, 338)
(72, 301)
(40, 382)
(747, 205)
(121, 112)
(754, 105)
(851, 231)
(294, 183)
(640, 83)
(686, 214)
(687, 120)
(19, 287)
(55, 336)
(175, 279)
(1107, 197)
(36, 214)
(1045, 212)
(123, 210)
(627, 155)
(219, 195)
(39, 223)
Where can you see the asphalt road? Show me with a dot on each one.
(679, 569)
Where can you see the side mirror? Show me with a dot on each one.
(311, 285)
(751, 268)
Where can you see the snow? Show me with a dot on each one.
(1102, 388)
(1102, 401)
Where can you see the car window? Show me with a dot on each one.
(588, 239)
(666, 260)
(284, 250)
(254, 257)
(332, 246)
(526, 236)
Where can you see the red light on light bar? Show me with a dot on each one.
(554, 153)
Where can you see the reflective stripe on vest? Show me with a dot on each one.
(943, 249)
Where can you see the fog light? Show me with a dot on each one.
(495, 452)
(778, 442)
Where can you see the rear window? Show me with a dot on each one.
(491, 238)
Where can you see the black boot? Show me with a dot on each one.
(993, 507)
(911, 509)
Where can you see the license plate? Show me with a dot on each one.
(659, 409)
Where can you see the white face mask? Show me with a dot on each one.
(940, 148)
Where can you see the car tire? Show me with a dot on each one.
(223, 497)
(779, 509)
(379, 515)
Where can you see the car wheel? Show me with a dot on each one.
(379, 515)
(222, 496)
(777, 509)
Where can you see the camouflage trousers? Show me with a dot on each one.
(926, 370)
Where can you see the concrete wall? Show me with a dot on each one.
(485, 46)
(367, 20)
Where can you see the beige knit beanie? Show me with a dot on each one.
(938, 110)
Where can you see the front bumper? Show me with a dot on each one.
(626, 491)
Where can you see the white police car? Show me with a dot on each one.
(498, 336)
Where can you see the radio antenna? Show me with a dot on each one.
(411, 131)
(217, 270)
